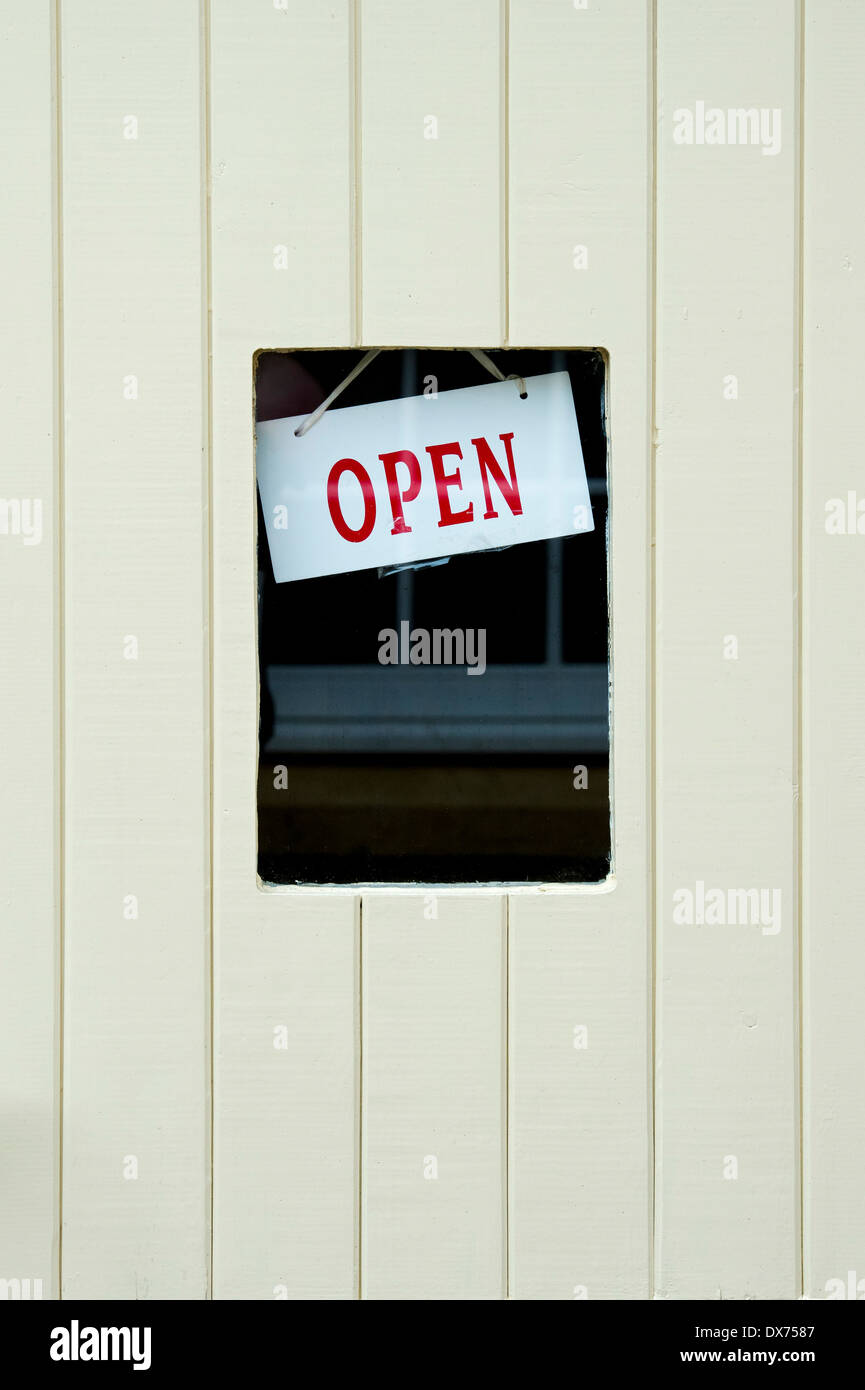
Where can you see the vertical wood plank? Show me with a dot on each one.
(433, 1000)
(433, 1166)
(580, 225)
(727, 1085)
(833, 776)
(136, 1137)
(29, 678)
(286, 1143)
(286, 1134)
(431, 233)
(282, 175)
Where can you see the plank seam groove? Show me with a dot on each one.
(798, 567)
(356, 191)
(359, 1126)
(207, 384)
(506, 1244)
(60, 695)
(504, 171)
(652, 793)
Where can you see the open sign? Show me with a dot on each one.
(400, 481)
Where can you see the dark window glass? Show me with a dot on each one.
(375, 773)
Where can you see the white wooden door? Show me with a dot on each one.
(192, 184)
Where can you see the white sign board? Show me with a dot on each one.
(400, 481)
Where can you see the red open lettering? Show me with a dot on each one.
(446, 480)
(336, 516)
(489, 464)
(491, 471)
(397, 498)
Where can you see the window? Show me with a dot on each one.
(401, 773)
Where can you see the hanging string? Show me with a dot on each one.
(496, 371)
(317, 414)
(480, 356)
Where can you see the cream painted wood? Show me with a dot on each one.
(580, 225)
(378, 173)
(282, 176)
(286, 1150)
(135, 1119)
(286, 1120)
(431, 205)
(727, 1087)
(431, 99)
(434, 1042)
(833, 583)
(29, 687)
